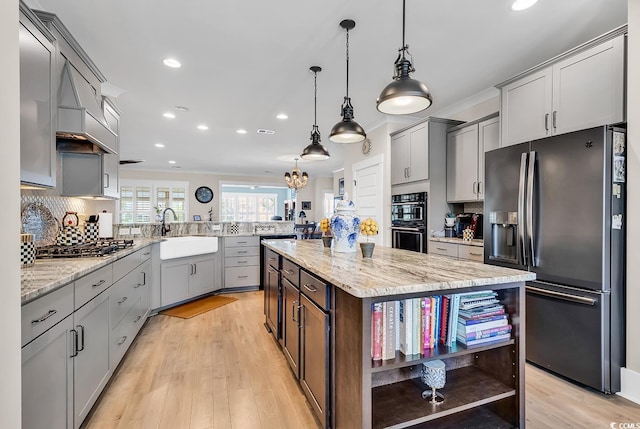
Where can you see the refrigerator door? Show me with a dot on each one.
(568, 332)
(503, 227)
(570, 209)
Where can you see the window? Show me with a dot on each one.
(247, 207)
(142, 202)
(328, 203)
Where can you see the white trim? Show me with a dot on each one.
(630, 385)
(468, 102)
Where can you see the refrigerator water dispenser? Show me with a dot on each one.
(504, 236)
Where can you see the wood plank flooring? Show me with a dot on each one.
(221, 370)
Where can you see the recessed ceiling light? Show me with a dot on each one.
(519, 5)
(282, 116)
(158, 145)
(265, 131)
(171, 62)
(182, 108)
(169, 115)
(241, 131)
(172, 162)
(202, 127)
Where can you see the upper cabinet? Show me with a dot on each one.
(580, 89)
(111, 161)
(410, 155)
(37, 102)
(466, 145)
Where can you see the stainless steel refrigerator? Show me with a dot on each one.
(556, 206)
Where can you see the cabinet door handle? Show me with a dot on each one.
(242, 242)
(554, 120)
(147, 253)
(475, 254)
(290, 272)
(195, 269)
(293, 311)
(122, 340)
(479, 186)
(100, 283)
(310, 288)
(271, 259)
(45, 317)
(546, 121)
(122, 300)
(442, 249)
(75, 343)
(474, 188)
(106, 185)
(241, 252)
(81, 334)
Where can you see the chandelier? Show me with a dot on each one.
(295, 179)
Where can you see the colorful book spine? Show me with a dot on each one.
(432, 322)
(485, 333)
(389, 330)
(493, 311)
(376, 331)
(417, 325)
(487, 340)
(454, 320)
(405, 316)
(469, 322)
(426, 323)
(444, 314)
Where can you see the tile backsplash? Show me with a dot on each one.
(474, 207)
(57, 204)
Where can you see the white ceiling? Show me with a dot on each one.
(244, 61)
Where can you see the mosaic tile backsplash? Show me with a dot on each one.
(58, 205)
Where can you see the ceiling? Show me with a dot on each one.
(245, 61)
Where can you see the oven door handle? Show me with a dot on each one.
(401, 228)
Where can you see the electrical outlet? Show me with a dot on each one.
(136, 231)
(125, 231)
(216, 227)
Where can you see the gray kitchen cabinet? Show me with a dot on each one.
(242, 261)
(111, 161)
(187, 278)
(580, 89)
(37, 102)
(272, 292)
(91, 364)
(410, 155)
(89, 174)
(47, 379)
(458, 251)
(466, 145)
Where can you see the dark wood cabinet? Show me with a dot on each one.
(291, 325)
(272, 292)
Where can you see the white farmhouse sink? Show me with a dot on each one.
(179, 247)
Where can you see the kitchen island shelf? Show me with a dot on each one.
(466, 388)
(440, 352)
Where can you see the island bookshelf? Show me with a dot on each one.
(484, 384)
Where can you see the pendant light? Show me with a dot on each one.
(315, 151)
(347, 130)
(404, 95)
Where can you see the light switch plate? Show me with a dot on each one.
(136, 231)
(125, 231)
(216, 227)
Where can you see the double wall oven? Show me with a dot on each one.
(409, 221)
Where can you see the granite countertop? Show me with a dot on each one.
(392, 271)
(49, 274)
(454, 240)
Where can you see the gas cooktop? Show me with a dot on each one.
(95, 248)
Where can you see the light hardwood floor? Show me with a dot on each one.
(222, 370)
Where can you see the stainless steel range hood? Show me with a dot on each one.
(80, 115)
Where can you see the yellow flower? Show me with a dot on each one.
(325, 225)
(369, 227)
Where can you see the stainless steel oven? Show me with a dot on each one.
(409, 221)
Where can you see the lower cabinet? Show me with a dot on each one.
(272, 309)
(186, 278)
(91, 364)
(458, 251)
(241, 261)
(47, 370)
(291, 325)
(66, 365)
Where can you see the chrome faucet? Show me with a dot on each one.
(166, 228)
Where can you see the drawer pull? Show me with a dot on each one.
(100, 283)
(290, 272)
(45, 317)
(443, 249)
(137, 318)
(242, 277)
(242, 242)
(310, 288)
(272, 270)
(243, 262)
(147, 253)
(81, 330)
(122, 340)
(475, 254)
(241, 251)
(122, 300)
(271, 259)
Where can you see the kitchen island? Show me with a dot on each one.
(485, 383)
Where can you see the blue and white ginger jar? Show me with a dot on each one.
(345, 226)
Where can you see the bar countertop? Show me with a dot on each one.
(392, 271)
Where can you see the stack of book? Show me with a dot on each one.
(482, 319)
(416, 326)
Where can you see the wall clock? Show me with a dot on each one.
(366, 146)
(204, 194)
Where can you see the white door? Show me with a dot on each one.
(367, 193)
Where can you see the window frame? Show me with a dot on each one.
(153, 185)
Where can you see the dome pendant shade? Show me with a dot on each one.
(404, 95)
(315, 151)
(347, 130)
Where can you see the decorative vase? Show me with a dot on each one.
(345, 226)
(367, 249)
(326, 239)
(449, 221)
(434, 374)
